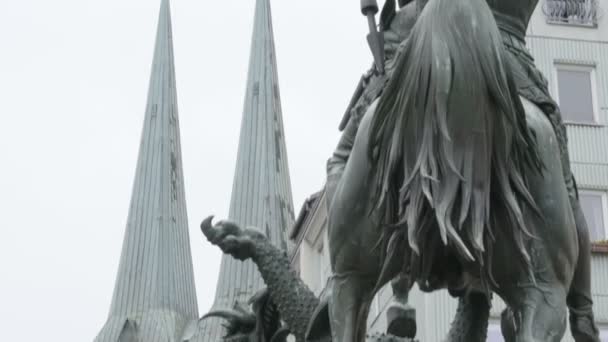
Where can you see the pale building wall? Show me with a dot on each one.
(311, 257)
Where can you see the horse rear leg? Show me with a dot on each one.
(471, 321)
(579, 300)
(536, 314)
(401, 317)
(349, 304)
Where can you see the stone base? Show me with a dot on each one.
(387, 338)
(401, 320)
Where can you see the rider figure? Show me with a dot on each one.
(512, 17)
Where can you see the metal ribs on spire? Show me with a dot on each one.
(261, 193)
(154, 296)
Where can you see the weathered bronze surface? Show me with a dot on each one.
(456, 177)
(452, 172)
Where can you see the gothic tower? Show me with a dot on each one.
(261, 192)
(154, 296)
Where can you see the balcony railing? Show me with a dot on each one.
(573, 12)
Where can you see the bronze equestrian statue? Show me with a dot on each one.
(453, 172)
(466, 180)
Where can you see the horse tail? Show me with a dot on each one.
(449, 137)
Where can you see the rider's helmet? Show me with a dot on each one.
(513, 16)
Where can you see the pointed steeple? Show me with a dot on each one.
(154, 296)
(261, 193)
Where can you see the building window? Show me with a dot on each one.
(374, 310)
(320, 266)
(595, 208)
(326, 262)
(325, 267)
(604, 335)
(576, 93)
(317, 263)
(573, 12)
(494, 332)
(296, 263)
(385, 295)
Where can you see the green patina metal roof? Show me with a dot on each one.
(261, 193)
(154, 296)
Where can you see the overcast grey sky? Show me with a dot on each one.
(73, 82)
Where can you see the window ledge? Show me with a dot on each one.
(592, 25)
(584, 124)
(599, 248)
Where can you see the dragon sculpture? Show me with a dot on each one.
(287, 306)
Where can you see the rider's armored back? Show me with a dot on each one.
(513, 16)
(449, 137)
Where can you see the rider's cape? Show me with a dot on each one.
(531, 83)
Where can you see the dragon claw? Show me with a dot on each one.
(231, 238)
(207, 225)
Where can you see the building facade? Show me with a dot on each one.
(569, 41)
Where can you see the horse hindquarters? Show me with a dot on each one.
(537, 307)
(580, 303)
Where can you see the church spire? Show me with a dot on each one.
(154, 295)
(261, 192)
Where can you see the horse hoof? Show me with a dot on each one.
(401, 321)
(583, 329)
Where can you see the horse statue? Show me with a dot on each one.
(455, 181)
